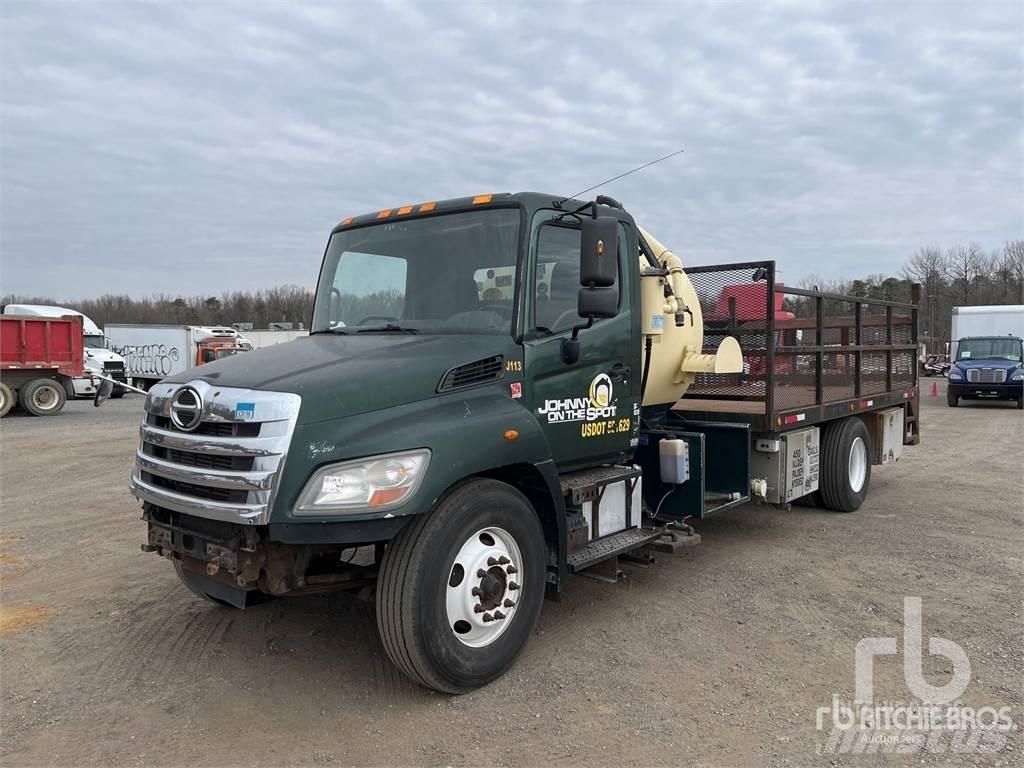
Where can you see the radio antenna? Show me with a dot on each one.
(621, 175)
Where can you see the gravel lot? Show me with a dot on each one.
(720, 656)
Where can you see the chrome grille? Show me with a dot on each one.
(227, 468)
(986, 375)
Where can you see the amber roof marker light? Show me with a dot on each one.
(482, 199)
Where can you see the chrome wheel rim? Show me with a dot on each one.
(484, 587)
(858, 467)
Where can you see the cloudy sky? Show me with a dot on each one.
(197, 147)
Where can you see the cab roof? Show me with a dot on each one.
(534, 200)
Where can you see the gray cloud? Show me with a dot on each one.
(200, 147)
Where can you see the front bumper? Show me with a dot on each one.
(1011, 390)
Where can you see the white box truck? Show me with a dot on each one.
(994, 320)
(152, 352)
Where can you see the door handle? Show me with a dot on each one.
(619, 372)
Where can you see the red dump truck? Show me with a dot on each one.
(39, 357)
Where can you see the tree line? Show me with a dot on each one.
(960, 275)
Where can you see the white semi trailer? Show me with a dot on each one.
(153, 352)
(993, 320)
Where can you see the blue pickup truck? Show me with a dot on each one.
(990, 367)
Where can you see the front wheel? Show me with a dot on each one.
(952, 400)
(845, 469)
(42, 397)
(460, 588)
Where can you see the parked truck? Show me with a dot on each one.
(987, 320)
(987, 368)
(456, 448)
(40, 357)
(153, 352)
(97, 358)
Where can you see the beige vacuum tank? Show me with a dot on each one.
(677, 354)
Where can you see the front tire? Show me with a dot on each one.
(845, 469)
(952, 400)
(461, 588)
(42, 397)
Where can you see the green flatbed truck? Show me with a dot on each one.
(498, 392)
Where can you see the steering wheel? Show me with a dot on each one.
(377, 318)
(499, 308)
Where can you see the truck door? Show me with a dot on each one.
(589, 410)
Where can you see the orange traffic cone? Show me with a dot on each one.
(935, 389)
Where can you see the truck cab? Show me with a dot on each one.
(987, 368)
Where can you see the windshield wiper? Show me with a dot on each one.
(389, 328)
(336, 331)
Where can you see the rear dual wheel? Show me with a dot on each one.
(845, 465)
(460, 588)
(42, 397)
(8, 399)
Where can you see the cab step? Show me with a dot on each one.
(611, 546)
(586, 484)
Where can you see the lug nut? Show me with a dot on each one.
(212, 569)
(512, 569)
(513, 586)
(508, 603)
(488, 617)
(491, 561)
(503, 560)
(478, 608)
(499, 615)
(480, 573)
(475, 591)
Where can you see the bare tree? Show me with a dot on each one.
(929, 268)
(963, 264)
(1013, 263)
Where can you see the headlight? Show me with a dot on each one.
(1018, 376)
(955, 375)
(377, 483)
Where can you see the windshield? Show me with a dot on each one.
(989, 349)
(454, 273)
(94, 342)
(216, 353)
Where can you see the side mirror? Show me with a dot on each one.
(599, 268)
(597, 302)
(599, 252)
(102, 392)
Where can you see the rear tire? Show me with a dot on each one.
(845, 468)
(430, 582)
(952, 400)
(43, 397)
(8, 399)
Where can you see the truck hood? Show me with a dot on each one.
(339, 376)
(995, 364)
(100, 356)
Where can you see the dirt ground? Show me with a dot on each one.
(718, 657)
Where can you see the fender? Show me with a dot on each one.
(469, 433)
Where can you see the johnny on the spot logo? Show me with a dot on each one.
(598, 404)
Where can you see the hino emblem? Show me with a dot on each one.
(186, 409)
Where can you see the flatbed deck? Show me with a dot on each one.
(809, 356)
